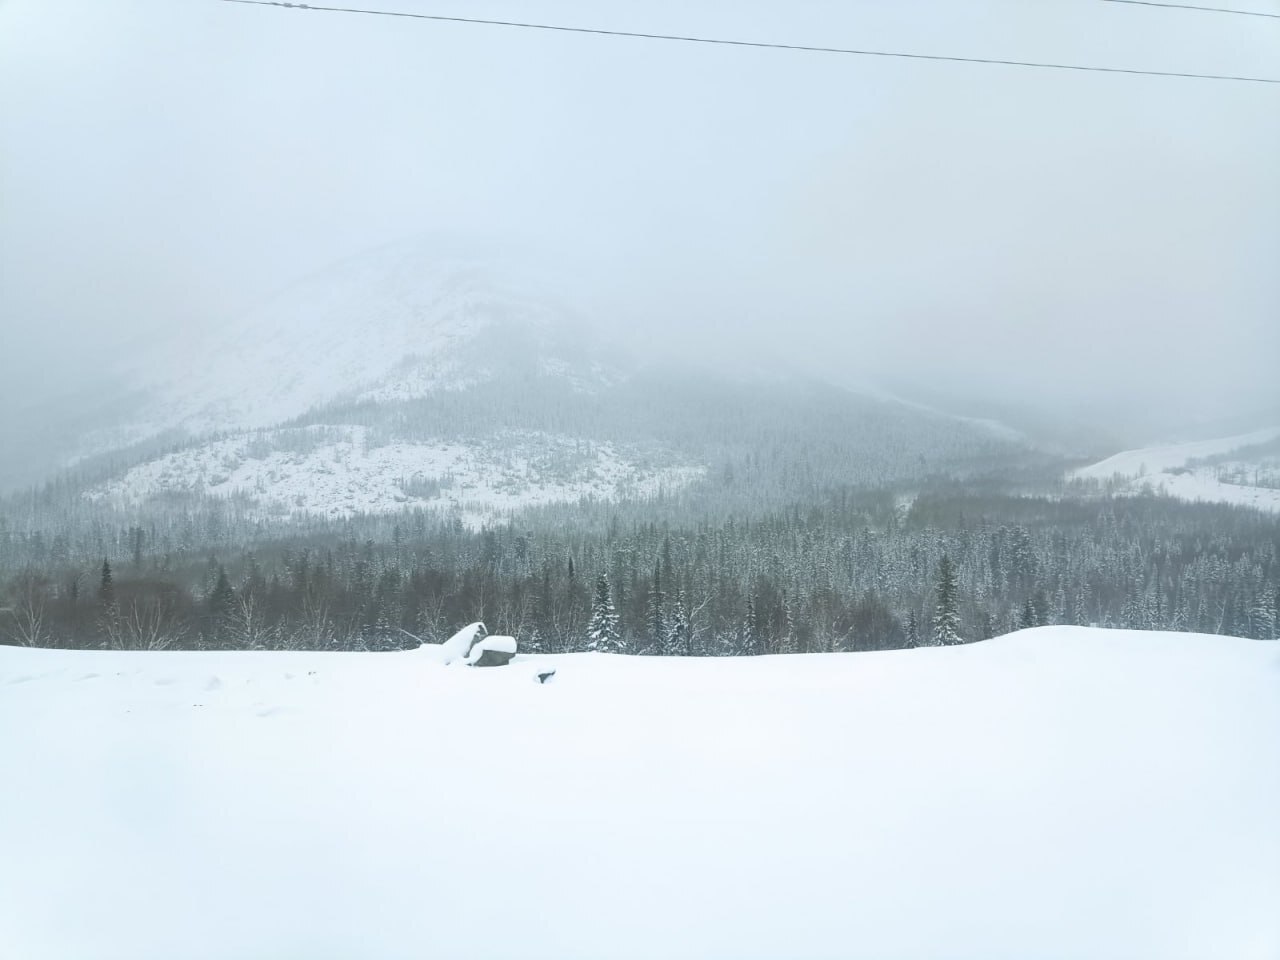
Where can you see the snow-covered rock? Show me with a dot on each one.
(492, 651)
(459, 645)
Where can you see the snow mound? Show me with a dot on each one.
(492, 651)
(1057, 792)
(459, 645)
(498, 644)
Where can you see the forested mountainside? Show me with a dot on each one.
(403, 379)
(403, 443)
(853, 571)
(706, 443)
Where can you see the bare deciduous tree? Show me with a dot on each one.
(144, 625)
(247, 625)
(25, 616)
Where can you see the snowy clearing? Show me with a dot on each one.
(1059, 792)
(1163, 469)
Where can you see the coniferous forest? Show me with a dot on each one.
(853, 570)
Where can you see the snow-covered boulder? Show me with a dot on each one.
(493, 651)
(459, 645)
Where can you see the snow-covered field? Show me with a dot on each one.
(341, 474)
(1060, 792)
(1164, 469)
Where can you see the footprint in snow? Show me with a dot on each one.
(164, 681)
(214, 683)
(89, 676)
(268, 712)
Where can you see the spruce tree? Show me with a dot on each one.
(1263, 616)
(912, 629)
(220, 603)
(750, 637)
(986, 625)
(679, 641)
(946, 617)
(107, 587)
(537, 643)
(1027, 618)
(109, 620)
(657, 614)
(602, 632)
(788, 641)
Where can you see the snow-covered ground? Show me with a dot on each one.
(1061, 792)
(339, 474)
(1164, 469)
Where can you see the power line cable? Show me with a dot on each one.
(1187, 6)
(753, 43)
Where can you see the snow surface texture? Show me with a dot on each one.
(1061, 792)
(340, 477)
(1164, 470)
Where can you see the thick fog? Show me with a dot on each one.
(1075, 239)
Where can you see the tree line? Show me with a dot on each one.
(854, 570)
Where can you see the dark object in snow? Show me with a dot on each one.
(492, 658)
(493, 651)
(545, 674)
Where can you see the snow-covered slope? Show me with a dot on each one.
(1061, 792)
(396, 323)
(335, 472)
(401, 323)
(1171, 469)
(1153, 460)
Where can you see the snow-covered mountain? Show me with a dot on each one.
(350, 347)
(398, 323)
(408, 378)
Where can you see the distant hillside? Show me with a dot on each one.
(402, 379)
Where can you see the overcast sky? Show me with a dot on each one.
(1078, 237)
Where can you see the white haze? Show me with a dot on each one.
(1070, 239)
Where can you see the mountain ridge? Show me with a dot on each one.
(404, 378)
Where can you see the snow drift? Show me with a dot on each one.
(1059, 792)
